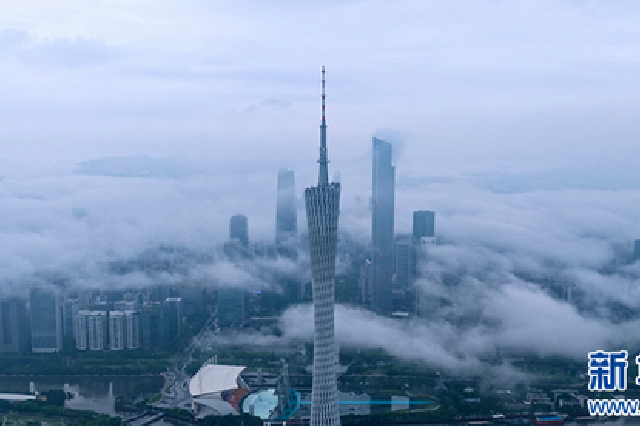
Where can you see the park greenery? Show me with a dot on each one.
(106, 363)
(231, 420)
(177, 413)
(53, 408)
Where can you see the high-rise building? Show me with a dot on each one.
(14, 326)
(47, 314)
(72, 307)
(153, 333)
(193, 299)
(237, 248)
(382, 204)
(286, 212)
(403, 299)
(98, 329)
(424, 235)
(132, 329)
(231, 307)
(323, 208)
(133, 297)
(125, 305)
(173, 316)
(239, 229)
(424, 225)
(404, 249)
(364, 281)
(636, 251)
(236, 251)
(425, 304)
(82, 330)
(117, 330)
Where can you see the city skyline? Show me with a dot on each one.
(513, 122)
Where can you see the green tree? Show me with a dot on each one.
(231, 420)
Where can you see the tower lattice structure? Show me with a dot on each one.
(323, 208)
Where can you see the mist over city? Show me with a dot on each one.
(463, 221)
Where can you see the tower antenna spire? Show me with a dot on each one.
(323, 160)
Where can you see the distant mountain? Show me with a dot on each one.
(133, 166)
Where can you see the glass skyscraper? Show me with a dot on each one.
(286, 213)
(383, 205)
(424, 225)
(239, 229)
(14, 325)
(46, 307)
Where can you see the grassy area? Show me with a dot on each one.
(26, 419)
(156, 398)
(127, 363)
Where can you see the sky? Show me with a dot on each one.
(473, 86)
(515, 121)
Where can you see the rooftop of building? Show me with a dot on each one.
(213, 378)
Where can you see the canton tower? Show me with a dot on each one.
(323, 208)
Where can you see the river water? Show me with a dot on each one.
(96, 393)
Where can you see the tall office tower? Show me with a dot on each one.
(46, 309)
(424, 234)
(636, 251)
(132, 329)
(286, 212)
(72, 307)
(424, 225)
(82, 330)
(323, 208)
(365, 281)
(239, 229)
(404, 248)
(426, 305)
(404, 254)
(193, 297)
(236, 251)
(153, 334)
(173, 316)
(97, 330)
(117, 330)
(231, 307)
(14, 326)
(287, 230)
(382, 203)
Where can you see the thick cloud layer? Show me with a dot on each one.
(79, 226)
(515, 121)
(496, 283)
(543, 272)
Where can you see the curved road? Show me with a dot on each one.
(175, 392)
